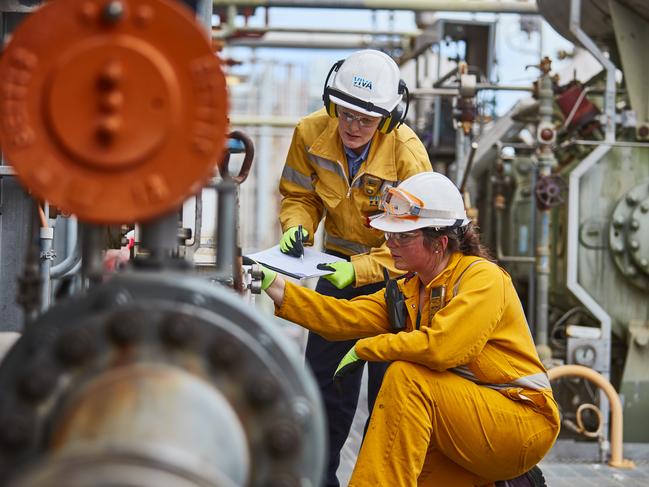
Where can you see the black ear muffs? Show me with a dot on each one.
(329, 105)
(397, 116)
(388, 124)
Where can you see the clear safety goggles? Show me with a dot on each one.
(363, 122)
(402, 238)
(398, 202)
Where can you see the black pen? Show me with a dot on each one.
(299, 235)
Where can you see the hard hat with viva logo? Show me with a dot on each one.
(427, 199)
(368, 82)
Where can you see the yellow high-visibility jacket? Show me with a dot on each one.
(315, 184)
(480, 333)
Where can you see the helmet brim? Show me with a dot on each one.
(395, 224)
(356, 108)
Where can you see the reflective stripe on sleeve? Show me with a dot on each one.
(293, 176)
(328, 165)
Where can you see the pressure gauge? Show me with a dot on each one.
(584, 355)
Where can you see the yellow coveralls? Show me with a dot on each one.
(315, 184)
(466, 400)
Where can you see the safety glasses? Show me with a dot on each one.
(363, 122)
(402, 238)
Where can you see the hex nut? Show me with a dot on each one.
(223, 352)
(37, 382)
(75, 346)
(262, 390)
(283, 439)
(178, 330)
(125, 328)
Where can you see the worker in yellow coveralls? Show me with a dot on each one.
(341, 159)
(465, 400)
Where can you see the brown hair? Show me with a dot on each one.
(464, 239)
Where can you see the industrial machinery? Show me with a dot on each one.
(115, 111)
(560, 185)
(162, 375)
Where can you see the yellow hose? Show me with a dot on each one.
(616, 460)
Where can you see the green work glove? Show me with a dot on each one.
(343, 275)
(268, 277)
(347, 365)
(291, 243)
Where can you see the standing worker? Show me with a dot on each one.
(465, 401)
(341, 159)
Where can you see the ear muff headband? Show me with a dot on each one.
(391, 120)
(331, 107)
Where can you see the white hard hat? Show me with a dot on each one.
(371, 77)
(427, 199)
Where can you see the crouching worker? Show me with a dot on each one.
(466, 400)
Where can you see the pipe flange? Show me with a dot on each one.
(629, 235)
(92, 357)
(99, 107)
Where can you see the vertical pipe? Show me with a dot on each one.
(160, 236)
(546, 162)
(226, 236)
(92, 245)
(73, 252)
(531, 289)
(572, 263)
(47, 255)
(573, 195)
(460, 154)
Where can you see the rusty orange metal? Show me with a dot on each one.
(115, 111)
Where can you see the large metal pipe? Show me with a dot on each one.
(145, 424)
(495, 6)
(617, 460)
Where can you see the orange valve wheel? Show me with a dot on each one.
(114, 110)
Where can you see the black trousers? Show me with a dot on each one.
(340, 402)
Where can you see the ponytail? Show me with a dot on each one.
(464, 239)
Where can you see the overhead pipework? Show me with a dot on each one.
(495, 6)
